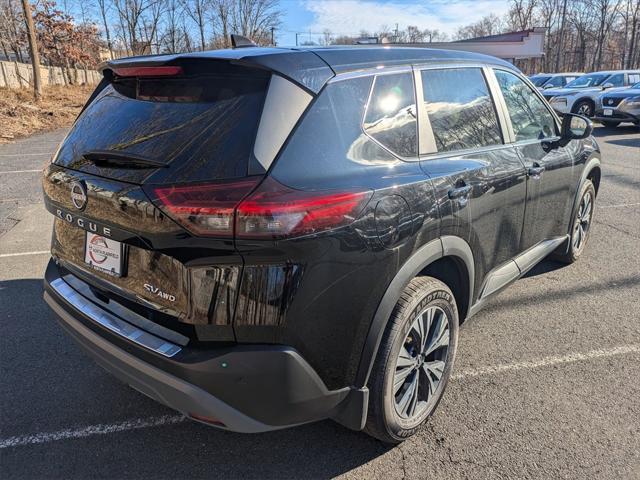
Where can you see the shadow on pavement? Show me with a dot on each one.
(54, 387)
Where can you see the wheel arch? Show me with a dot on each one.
(582, 99)
(447, 249)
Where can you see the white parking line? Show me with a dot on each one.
(25, 154)
(22, 254)
(549, 361)
(139, 423)
(620, 205)
(135, 424)
(22, 171)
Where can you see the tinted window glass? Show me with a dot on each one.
(555, 82)
(634, 78)
(391, 114)
(329, 144)
(590, 80)
(203, 127)
(617, 80)
(460, 109)
(539, 81)
(529, 117)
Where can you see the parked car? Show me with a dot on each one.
(580, 95)
(544, 81)
(264, 237)
(613, 108)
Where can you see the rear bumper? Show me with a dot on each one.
(250, 388)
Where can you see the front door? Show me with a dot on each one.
(549, 183)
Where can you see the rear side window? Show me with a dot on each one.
(460, 109)
(329, 145)
(391, 114)
(203, 126)
(529, 117)
(634, 78)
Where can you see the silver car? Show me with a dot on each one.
(613, 108)
(580, 95)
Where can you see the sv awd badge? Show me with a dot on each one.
(156, 291)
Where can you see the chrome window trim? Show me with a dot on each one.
(466, 151)
(113, 323)
(370, 72)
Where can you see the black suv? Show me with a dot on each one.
(264, 237)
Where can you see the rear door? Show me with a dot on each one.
(478, 177)
(549, 167)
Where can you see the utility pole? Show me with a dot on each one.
(33, 47)
(296, 39)
(272, 42)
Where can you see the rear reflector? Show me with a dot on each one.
(272, 211)
(163, 71)
(209, 420)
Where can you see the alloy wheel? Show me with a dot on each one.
(421, 362)
(584, 109)
(583, 221)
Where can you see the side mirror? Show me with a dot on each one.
(576, 127)
(608, 85)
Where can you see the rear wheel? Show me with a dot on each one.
(414, 360)
(584, 107)
(580, 224)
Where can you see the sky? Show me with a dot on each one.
(349, 17)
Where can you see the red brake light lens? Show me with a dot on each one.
(272, 211)
(161, 71)
(275, 211)
(205, 209)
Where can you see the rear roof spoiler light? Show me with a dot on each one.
(158, 71)
(271, 211)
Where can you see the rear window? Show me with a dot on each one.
(203, 127)
(460, 109)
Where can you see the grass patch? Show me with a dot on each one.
(21, 115)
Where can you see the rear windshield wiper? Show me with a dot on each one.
(113, 159)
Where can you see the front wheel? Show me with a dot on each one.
(584, 108)
(580, 224)
(414, 361)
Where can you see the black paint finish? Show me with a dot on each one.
(458, 215)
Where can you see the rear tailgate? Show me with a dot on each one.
(142, 132)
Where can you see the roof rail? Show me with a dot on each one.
(238, 41)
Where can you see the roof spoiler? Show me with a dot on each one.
(238, 41)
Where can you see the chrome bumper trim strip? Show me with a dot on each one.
(113, 323)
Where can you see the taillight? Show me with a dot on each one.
(205, 209)
(272, 211)
(275, 211)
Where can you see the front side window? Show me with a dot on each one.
(555, 82)
(460, 109)
(530, 118)
(539, 81)
(391, 114)
(616, 80)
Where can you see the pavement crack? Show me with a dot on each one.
(618, 229)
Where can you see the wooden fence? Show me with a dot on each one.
(20, 75)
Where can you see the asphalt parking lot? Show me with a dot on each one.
(547, 381)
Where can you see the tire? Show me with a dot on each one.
(579, 237)
(427, 302)
(610, 124)
(583, 107)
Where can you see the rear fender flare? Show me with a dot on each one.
(423, 257)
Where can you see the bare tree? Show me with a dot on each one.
(33, 49)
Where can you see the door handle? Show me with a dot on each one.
(459, 192)
(535, 171)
